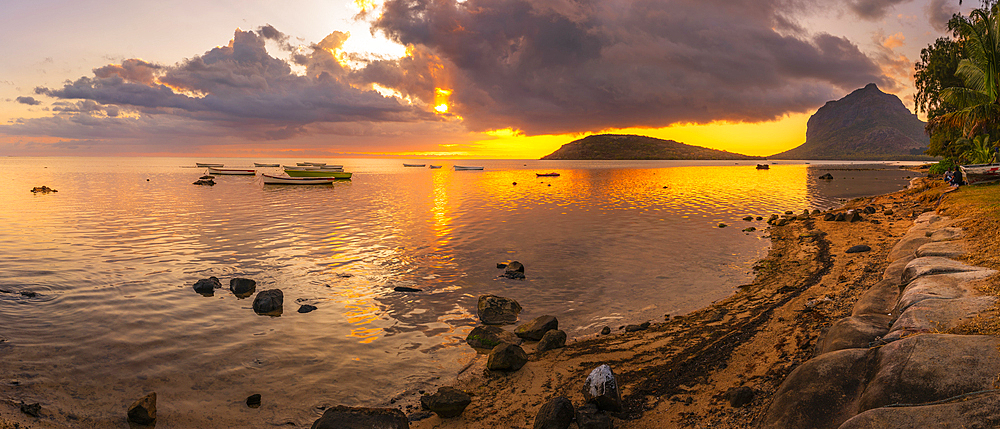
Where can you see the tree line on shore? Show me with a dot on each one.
(958, 87)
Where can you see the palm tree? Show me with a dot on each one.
(978, 103)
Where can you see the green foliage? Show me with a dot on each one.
(976, 107)
(980, 151)
(941, 167)
(935, 72)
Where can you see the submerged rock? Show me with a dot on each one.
(406, 289)
(143, 411)
(488, 337)
(826, 176)
(448, 402)
(514, 270)
(242, 288)
(557, 413)
(497, 310)
(601, 388)
(341, 417)
(42, 189)
(306, 308)
(535, 329)
(269, 302)
(207, 286)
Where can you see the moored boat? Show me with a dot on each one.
(314, 164)
(336, 174)
(207, 164)
(467, 167)
(980, 173)
(260, 164)
(414, 165)
(314, 168)
(232, 171)
(547, 174)
(270, 179)
(435, 166)
(764, 167)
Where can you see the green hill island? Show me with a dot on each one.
(627, 146)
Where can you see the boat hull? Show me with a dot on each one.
(232, 171)
(980, 173)
(204, 164)
(258, 164)
(283, 180)
(547, 174)
(460, 168)
(319, 173)
(414, 165)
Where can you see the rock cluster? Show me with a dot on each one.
(889, 351)
(512, 270)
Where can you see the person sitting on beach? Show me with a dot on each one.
(948, 176)
(956, 177)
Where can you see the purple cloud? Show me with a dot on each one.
(31, 101)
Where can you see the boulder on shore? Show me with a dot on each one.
(554, 339)
(557, 413)
(535, 329)
(341, 417)
(488, 337)
(143, 411)
(448, 402)
(497, 310)
(269, 302)
(506, 357)
(601, 388)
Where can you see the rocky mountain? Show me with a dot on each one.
(867, 124)
(619, 146)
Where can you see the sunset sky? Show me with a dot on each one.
(456, 79)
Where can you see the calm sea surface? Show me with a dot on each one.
(112, 256)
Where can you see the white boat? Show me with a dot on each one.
(980, 173)
(287, 180)
(259, 164)
(466, 167)
(313, 168)
(206, 164)
(232, 171)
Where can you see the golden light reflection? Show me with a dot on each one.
(441, 96)
(441, 210)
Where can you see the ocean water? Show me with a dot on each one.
(97, 306)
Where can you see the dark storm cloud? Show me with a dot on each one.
(939, 12)
(873, 9)
(28, 100)
(552, 66)
(238, 86)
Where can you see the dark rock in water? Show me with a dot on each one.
(306, 308)
(448, 402)
(750, 229)
(506, 357)
(601, 388)
(207, 286)
(840, 217)
(28, 293)
(497, 310)
(406, 289)
(554, 339)
(829, 217)
(773, 218)
(488, 337)
(33, 410)
(269, 302)
(42, 189)
(514, 270)
(589, 417)
(816, 211)
(789, 212)
(253, 401)
(740, 396)
(501, 265)
(635, 328)
(143, 411)
(535, 329)
(207, 177)
(859, 248)
(826, 176)
(722, 225)
(557, 413)
(606, 330)
(853, 217)
(242, 288)
(341, 417)
(207, 182)
(748, 218)
(760, 218)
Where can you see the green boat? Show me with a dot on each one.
(318, 173)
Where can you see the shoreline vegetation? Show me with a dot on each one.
(722, 365)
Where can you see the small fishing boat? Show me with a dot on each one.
(467, 167)
(270, 179)
(314, 164)
(980, 173)
(206, 164)
(336, 174)
(314, 168)
(414, 165)
(260, 164)
(763, 167)
(232, 171)
(435, 166)
(547, 174)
